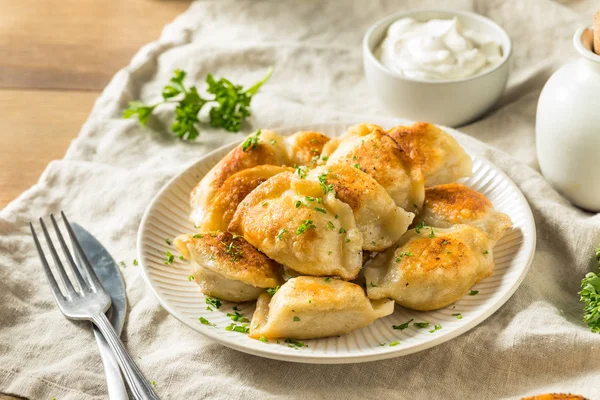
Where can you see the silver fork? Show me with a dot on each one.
(89, 303)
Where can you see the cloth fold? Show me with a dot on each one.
(535, 343)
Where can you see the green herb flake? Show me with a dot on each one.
(237, 317)
(419, 227)
(296, 319)
(301, 171)
(191, 278)
(237, 328)
(336, 216)
(234, 251)
(421, 324)
(321, 210)
(204, 321)
(473, 292)
(431, 234)
(169, 257)
(251, 141)
(327, 279)
(457, 315)
(272, 291)
(342, 230)
(486, 252)
(280, 234)
(198, 236)
(437, 327)
(122, 264)
(211, 301)
(168, 241)
(135, 262)
(263, 339)
(294, 343)
(272, 141)
(298, 203)
(324, 158)
(395, 343)
(403, 326)
(307, 224)
(330, 225)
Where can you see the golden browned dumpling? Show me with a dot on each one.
(227, 267)
(291, 221)
(432, 268)
(260, 148)
(438, 154)
(309, 307)
(452, 204)
(378, 218)
(220, 211)
(305, 147)
(368, 148)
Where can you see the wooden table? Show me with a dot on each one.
(55, 58)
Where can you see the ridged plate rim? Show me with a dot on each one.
(280, 352)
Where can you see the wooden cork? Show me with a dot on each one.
(597, 33)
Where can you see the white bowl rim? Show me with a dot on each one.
(368, 52)
(581, 49)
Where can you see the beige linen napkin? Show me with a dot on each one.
(534, 343)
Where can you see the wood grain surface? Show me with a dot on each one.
(57, 55)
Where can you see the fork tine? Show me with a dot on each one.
(61, 270)
(82, 283)
(93, 278)
(53, 284)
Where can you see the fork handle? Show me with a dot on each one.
(140, 388)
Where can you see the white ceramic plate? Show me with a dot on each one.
(167, 217)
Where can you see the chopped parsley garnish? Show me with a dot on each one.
(448, 252)
(403, 254)
(237, 328)
(294, 343)
(191, 278)
(251, 141)
(421, 324)
(324, 158)
(122, 264)
(135, 262)
(168, 241)
(237, 317)
(432, 233)
(321, 210)
(403, 326)
(272, 141)
(473, 292)
(301, 171)
(211, 301)
(444, 242)
(280, 233)
(372, 284)
(437, 327)
(342, 230)
(296, 319)
(347, 240)
(272, 291)
(357, 166)
(212, 257)
(263, 339)
(419, 227)
(307, 224)
(327, 187)
(198, 236)
(486, 252)
(265, 203)
(204, 321)
(298, 203)
(234, 251)
(395, 343)
(336, 216)
(309, 198)
(330, 225)
(153, 382)
(457, 315)
(169, 257)
(327, 279)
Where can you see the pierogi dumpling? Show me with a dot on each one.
(227, 267)
(432, 268)
(260, 148)
(292, 221)
(378, 218)
(368, 148)
(220, 211)
(453, 203)
(305, 147)
(309, 307)
(439, 155)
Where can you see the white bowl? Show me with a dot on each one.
(444, 102)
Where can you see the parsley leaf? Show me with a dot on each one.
(590, 297)
(211, 301)
(272, 291)
(403, 326)
(307, 224)
(204, 321)
(229, 104)
(169, 257)
(473, 292)
(251, 141)
(419, 227)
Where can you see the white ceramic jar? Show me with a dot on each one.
(568, 126)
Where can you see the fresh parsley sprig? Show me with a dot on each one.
(590, 297)
(229, 104)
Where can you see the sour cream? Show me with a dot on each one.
(438, 49)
